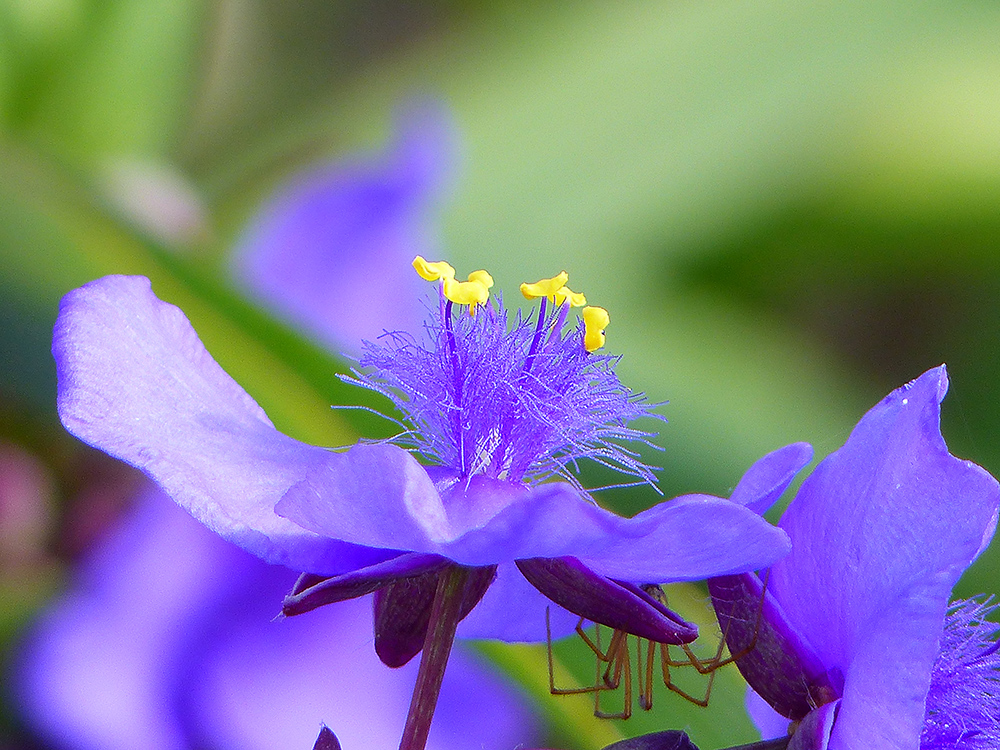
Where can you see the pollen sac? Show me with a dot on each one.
(554, 289)
(596, 319)
(568, 295)
(545, 287)
(475, 291)
(481, 277)
(434, 271)
(471, 292)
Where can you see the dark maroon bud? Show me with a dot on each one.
(327, 740)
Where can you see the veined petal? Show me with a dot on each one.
(883, 528)
(690, 538)
(375, 495)
(687, 538)
(622, 606)
(136, 382)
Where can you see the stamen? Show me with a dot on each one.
(471, 293)
(481, 277)
(433, 271)
(568, 295)
(596, 319)
(511, 398)
(545, 287)
(475, 291)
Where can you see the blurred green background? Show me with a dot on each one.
(789, 208)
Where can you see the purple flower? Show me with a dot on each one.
(135, 381)
(167, 640)
(167, 637)
(848, 634)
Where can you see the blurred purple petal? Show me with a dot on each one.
(769, 722)
(331, 250)
(184, 649)
(98, 668)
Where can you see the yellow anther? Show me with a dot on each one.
(433, 271)
(482, 277)
(595, 320)
(545, 287)
(475, 291)
(568, 295)
(471, 293)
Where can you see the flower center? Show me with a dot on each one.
(518, 398)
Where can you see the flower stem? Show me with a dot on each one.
(434, 658)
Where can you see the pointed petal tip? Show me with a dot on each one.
(765, 481)
(931, 385)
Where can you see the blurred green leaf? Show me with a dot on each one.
(59, 236)
(118, 83)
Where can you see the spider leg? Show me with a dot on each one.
(601, 656)
(620, 660)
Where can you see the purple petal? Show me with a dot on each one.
(622, 606)
(372, 495)
(881, 531)
(769, 722)
(689, 538)
(98, 670)
(332, 250)
(769, 477)
(135, 381)
(813, 733)
(491, 522)
(514, 610)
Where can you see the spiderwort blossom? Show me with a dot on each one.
(848, 634)
(500, 408)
